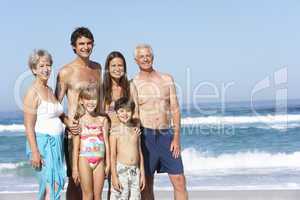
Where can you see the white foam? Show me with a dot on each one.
(12, 127)
(199, 162)
(273, 121)
(196, 162)
(4, 166)
(219, 120)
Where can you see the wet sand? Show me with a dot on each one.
(195, 194)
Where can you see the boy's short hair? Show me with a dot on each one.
(124, 102)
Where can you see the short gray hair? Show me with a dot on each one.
(35, 57)
(142, 46)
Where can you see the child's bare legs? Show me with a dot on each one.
(91, 181)
(99, 177)
(86, 179)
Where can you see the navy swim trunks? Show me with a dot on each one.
(156, 151)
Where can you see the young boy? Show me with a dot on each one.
(127, 163)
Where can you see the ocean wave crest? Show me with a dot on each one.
(12, 166)
(267, 119)
(12, 128)
(195, 161)
(274, 121)
(203, 164)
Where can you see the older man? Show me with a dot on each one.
(160, 119)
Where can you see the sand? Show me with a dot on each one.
(196, 194)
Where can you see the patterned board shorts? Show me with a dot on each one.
(129, 177)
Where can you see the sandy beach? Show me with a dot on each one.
(196, 194)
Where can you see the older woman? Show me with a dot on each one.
(43, 127)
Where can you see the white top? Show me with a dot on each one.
(48, 121)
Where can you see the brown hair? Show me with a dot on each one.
(107, 83)
(81, 32)
(126, 103)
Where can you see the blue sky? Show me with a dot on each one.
(219, 42)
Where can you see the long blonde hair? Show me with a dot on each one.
(87, 93)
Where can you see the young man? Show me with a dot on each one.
(159, 109)
(81, 73)
(127, 164)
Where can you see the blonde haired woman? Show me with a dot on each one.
(42, 119)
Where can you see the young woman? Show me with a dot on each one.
(116, 85)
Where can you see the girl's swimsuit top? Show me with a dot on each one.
(91, 130)
(92, 141)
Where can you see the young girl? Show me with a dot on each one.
(91, 158)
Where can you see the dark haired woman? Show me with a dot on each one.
(116, 85)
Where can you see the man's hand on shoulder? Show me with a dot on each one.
(137, 130)
(61, 82)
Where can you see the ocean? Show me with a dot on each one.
(230, 146)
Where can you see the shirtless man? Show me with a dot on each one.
(81, 73)
(160, 120)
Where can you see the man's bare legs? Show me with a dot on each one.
(73, 191)
(147, 193)
(109, 186)
(179, 186)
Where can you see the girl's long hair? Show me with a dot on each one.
(87, 93)
(107, 82)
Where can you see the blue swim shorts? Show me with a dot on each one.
(156, 151)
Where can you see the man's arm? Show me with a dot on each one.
(174, 107)
(60, 91)
(142, 167)
(134, 96)
(100, 106)
(175, 112)
(61, 86)
(75, 158)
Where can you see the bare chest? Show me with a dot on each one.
(156, 90)
(84, 79)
